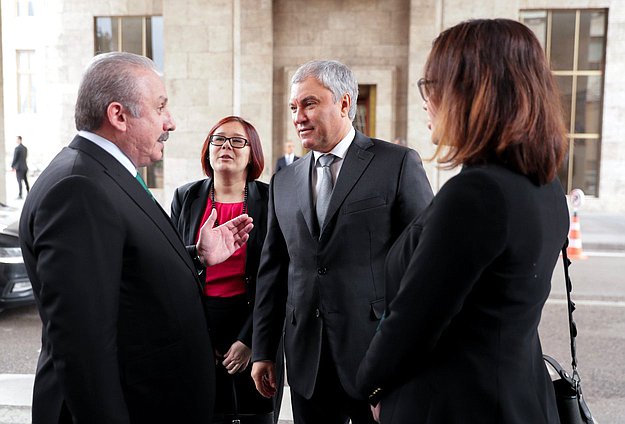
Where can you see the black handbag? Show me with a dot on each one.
(572, 407)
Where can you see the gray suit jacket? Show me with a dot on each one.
(331, 280)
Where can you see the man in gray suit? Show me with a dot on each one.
(333, 215)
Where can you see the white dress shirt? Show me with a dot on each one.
(111, 149)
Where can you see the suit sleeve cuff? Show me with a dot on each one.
(197, 263)
(375, 396)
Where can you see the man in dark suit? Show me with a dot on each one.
(124, 337)
(287, 158)
(322, 265)
(19, 165)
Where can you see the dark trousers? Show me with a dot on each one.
(22, 176)
(329, 404)
(235, 394)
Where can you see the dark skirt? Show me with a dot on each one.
(226, 317)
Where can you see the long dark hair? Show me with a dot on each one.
(495, 99)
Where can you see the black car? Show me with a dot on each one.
(15, 288)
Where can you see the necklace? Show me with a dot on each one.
(212, 191)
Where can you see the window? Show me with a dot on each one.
(574, 41)
(135, 34)
(365, 110)
(25, 8)
(26, 99)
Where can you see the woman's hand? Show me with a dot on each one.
(237, 358)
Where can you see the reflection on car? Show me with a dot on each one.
(15, 288)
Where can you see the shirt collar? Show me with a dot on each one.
(341, 148)
(111, 149)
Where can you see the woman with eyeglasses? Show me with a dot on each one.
(467, 281)
(232, 159)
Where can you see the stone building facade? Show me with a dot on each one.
(223, 57)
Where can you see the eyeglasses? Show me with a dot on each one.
(423, 88)
(235, 142)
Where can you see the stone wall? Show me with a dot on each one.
(227, 57)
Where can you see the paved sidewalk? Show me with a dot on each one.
(601, 232)
(16, 398)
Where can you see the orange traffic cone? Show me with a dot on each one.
(575, 251)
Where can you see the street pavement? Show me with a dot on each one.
(600, 233)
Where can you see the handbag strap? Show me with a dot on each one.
(235, 402)
(559, 370)
(570, 308)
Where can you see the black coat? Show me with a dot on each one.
(281, 162)
(19, 158)
(466, 284)
(187, 208)
(124, 334)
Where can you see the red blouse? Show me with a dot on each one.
(226, 279)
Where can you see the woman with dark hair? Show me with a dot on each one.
(232, 158)
(467, 280)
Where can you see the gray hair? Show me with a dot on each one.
(109, 77)
(334, 76)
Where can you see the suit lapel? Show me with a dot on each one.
(196, 210)
(137, 194)
(356, 161)
(253, 198)
(302, 186)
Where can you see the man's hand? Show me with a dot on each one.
(264, 375)
(215, 245)
(237, 358)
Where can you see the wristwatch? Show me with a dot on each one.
(197, 261)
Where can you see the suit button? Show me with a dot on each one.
(317, 313)
(322, 271)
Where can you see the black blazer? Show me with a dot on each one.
(281, 162)
(466, 284)
(187, 209)
(124, 336)
(332, 279)
(19, 158)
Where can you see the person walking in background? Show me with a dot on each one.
(124, 336)
(288, 158)
(400, 141)
(232, 159)
(19, 165)
(332, 217)
(467, 281)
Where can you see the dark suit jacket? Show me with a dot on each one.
(281, 162)
(124, 334)
(333, 283)
(187, 209)
(466, 284)
(19, 158)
